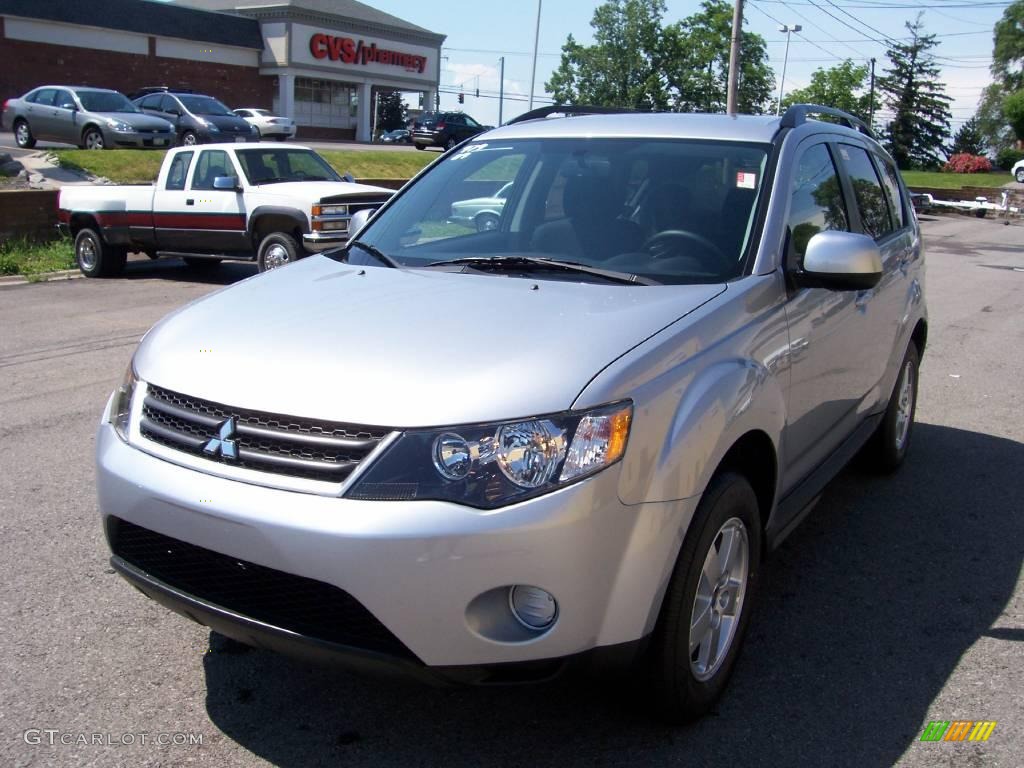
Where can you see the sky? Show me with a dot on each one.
(479, 33)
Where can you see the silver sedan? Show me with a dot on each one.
(484, 213)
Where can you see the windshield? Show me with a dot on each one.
(271, 166)
(671, 211)
(204, 105)
(105, 101)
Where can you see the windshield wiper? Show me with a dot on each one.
(376, 252)
(538, 262)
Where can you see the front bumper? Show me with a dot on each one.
(315, 242)
(140, 139)
(415, 566)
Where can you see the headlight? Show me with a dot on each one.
(492, 465)
(120, 127)
(252, 129)
(211, 127)
(121, 413)
(330, 210)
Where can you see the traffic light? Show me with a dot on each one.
(462, 98)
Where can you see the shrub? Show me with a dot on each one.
(1006, 158)
(965, 163)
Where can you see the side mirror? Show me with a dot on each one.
(349, 178)
(69, 105)
(358, 221)
(226, 182)
(841, 261)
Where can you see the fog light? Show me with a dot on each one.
(533, 607)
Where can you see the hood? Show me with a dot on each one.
(137, 120)
(229, 123)
(315, 191)
(403, 348)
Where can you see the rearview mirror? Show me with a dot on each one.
(226, 182)
(841, 261)
(358, 221)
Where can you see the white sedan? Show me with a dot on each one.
(269, 126)
(484, 213)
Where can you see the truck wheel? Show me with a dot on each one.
(887, 448)
(420, 146)
(93, 139)
(95, 258)
(708, 602)
(23, 135)
(276, 250)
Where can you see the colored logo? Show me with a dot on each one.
(224, 444)
(958, 730)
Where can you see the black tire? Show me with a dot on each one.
(200, 262)
(23, 134)
(677, 694)
(450, 144)
(885, 451)
(486, 222)
(281, 138)
(95, 258)
(189, 139)
(270, 257)
(92, 138)
(1019, 175)
(420, 146)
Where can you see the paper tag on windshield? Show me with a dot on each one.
(745, 180)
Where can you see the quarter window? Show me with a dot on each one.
(179, 170)
(816, 204)
(867, 189)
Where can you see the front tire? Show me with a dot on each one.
(420, 146)
(1019, 175)
(23, 135)
(92, 138)
(708, 602)
(486, 222)
(95, 258)
(188, 139)
(888, 446)
(277, 250)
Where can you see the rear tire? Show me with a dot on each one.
(450, 144)
(419, 146)
(888, 446)
(23, 134)
(487, 222)
(277, 250)
(1020, 175)
(188, 139)
(689, 661)
(95, 258)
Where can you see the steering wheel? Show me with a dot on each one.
(667, 242)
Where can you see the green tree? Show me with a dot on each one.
(697, 58)
(969, 139)
(913, 90)
(842, 86)
(624, 66)
(391, 111)
(1007, 75)
(1013, 111)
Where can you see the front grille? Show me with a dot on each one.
(295, 603)
(282, 445)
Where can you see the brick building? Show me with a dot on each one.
(317, 61)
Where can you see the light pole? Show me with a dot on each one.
(789, 29)
(536, 38)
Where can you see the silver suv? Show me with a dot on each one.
(569, 437)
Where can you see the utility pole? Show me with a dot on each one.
(376, 111)
(871, 99)
(734, 58)
(533, 70)
(789, 29)
(501, 87)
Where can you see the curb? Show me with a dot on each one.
(42, 277)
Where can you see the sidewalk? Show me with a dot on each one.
(43, 174)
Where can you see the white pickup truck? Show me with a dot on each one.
(264, 202)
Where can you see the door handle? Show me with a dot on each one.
(190, 201)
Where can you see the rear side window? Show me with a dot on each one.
(816, 204)
(890, 180)
(874, 209)
(179, 170)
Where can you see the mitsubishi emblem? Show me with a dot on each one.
(224, 444)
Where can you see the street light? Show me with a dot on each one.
(789, 29)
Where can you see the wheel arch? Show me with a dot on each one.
(79, 221)
(920, 336)
(266, 220)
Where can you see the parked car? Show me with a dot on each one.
(397, 136)
(198, 119)
(92, 118)
(270, 126)
(270, 204)
(138, 94)
(486, 456)
(483, 213)
(1018, 171)
(444, 129)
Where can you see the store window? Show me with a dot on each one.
(325, 103)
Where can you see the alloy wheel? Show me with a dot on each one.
(87, 253)
(905, 405)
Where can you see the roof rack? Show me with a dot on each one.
(568, 111)
(798, 114)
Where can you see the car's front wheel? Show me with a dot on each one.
(188, 139)
(96, 258)
(277, 250)
(486, 222)
(93, 139)
(1019, 175)
(888, 447)
(23, 135)
(708, 602)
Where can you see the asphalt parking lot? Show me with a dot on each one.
(899, 601)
